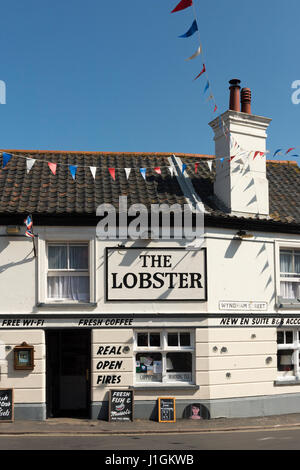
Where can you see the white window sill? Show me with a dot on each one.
(286, 381)
(66, 304)
(163, 386)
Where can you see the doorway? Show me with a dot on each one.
(68, 354)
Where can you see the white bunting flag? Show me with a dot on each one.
(171, 170)
(127, 171)
(93, 171)
(198, 52)
(209, 162)
(29, 163)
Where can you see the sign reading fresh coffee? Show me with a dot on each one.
(158, 274)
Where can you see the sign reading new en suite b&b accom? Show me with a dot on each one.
(155, 274)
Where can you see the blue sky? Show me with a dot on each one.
(98, 75)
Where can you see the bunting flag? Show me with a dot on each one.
(182, 5)
(202, 71)
(210, 97)
(158, 170)
(196, 167)
(183, 168)
(5, 158)
(191, 31)
(277, 152)
(52, 167)
(206, 87)
(198, 52)
(93, 171)
(289, 150)
(231, 158)
(209, 162)
(143, 172)
(29, 163)
(255, 155)
(222, 159)
(171, 170)
(73, 169)
(127, 172)
(215, 108)
(112, 172)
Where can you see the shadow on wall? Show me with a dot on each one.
(3, 267)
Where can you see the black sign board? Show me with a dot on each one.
(166, 410)
(121, 405)
(6, 404)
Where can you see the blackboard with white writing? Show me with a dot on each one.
(166, 410)
(121, 405)
(6, 404)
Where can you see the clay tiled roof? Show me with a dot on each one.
(41, 192)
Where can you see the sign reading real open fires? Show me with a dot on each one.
(160, 274)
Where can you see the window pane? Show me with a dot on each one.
(286, 263)
(142, 339)
(290, 290)
(172, 339)
(78, 257)
(280, 337)
(57, 257)
(148, 367)
(284, 360)
(289, 337)
(297, 263)
(69, 288)
(185, 339)
(179, 367)
(155, 339)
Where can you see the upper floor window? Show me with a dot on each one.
(68, 272)
(290, 274)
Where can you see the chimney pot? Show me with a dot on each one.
(234, 102)
(246, 100)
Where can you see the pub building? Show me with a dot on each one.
(215, 325)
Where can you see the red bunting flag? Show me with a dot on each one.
(183, 5)
(112, 172)
(231, 158)
(202, 71)
(289, 150)
(255, 155)
(158, 170)
(52, 167)
(196, 167)
(216, 107)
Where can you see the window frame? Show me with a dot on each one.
(283, 302)
(164, 349)
(50, 272)
(294, 374)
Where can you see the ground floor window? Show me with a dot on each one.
(288, 347)
(164, 356)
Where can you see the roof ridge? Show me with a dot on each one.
(76, 152)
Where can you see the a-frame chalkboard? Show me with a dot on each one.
(6, 404)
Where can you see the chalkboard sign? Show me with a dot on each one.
(166, 410)
(121, 405)
(6, 404)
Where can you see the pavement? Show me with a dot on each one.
(69, 426)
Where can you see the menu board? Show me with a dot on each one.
(121, 405)
(166, 410)
(6, 404)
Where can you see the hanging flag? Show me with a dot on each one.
(196, 167)
(255, 154)
(112, 172)
(183, 168)
(215, 109)
(289, 150)
(6, 157)
(202, 71)
(52, 167)
(209, 162)
(29, 163)
(127, 172)
(73, 169)
(182, 5)
(210, 97)
(158, 170)
(143, 172)
(222, 159)
(231, 158)
(28, 222)
(93, 171)
(191, 31)
(206, 87)
(277, 151)
(198, 52)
